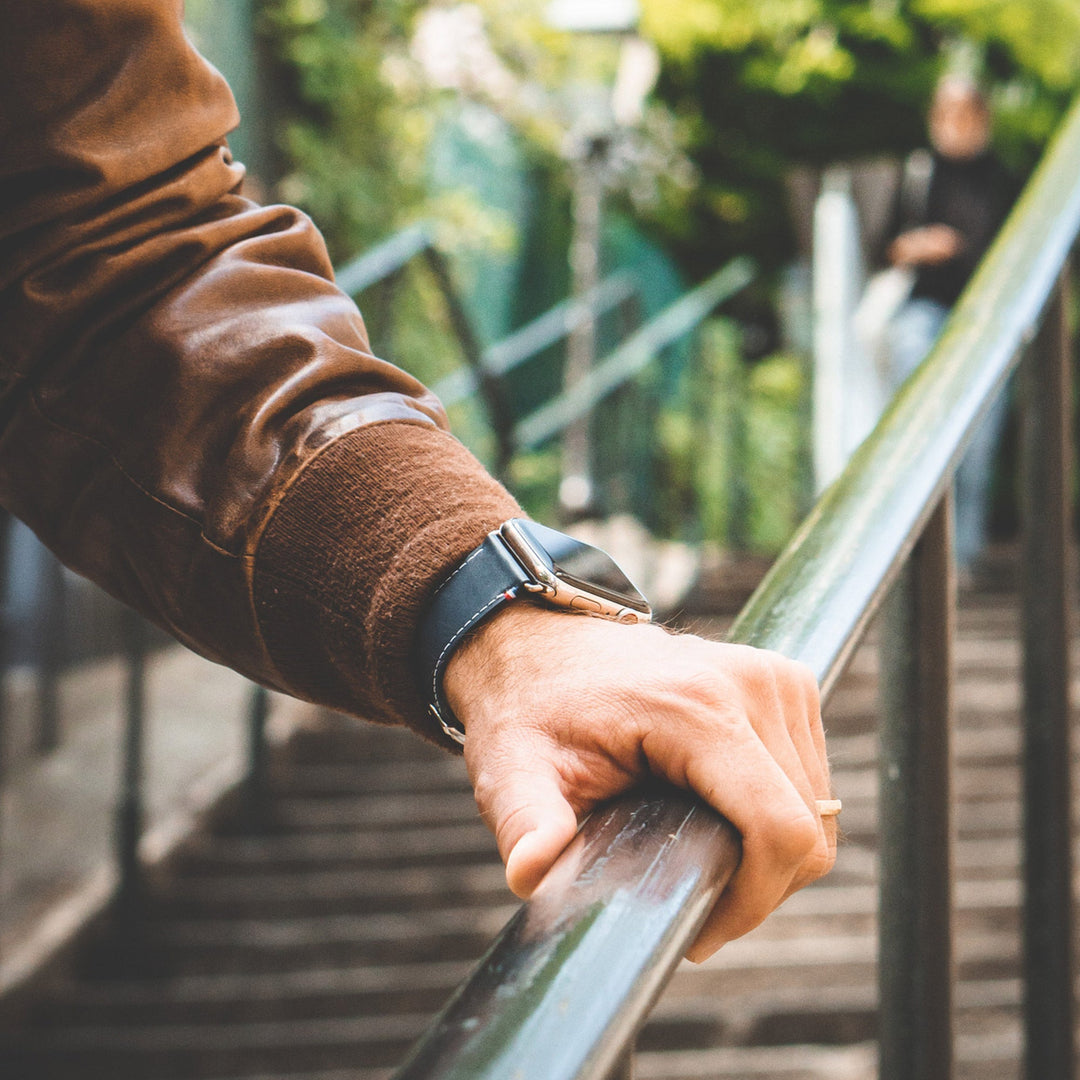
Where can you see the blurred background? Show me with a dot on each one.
(635, 246)
(659, 140)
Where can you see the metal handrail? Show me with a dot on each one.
(385, 263)
(386, 259)
(571, 979)
(536, 336)
(635, 354)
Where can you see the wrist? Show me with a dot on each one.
(504, 650)
(523, 658)
(517, 566)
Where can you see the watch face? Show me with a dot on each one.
(581, 565)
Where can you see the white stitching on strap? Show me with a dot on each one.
(474, 555)
(454, 640)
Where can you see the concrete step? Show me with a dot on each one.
(339, 740)
(335, 892)
(359, 1073)
(391, 811)
(840, 1013)
(189, 1052)
(308, 993)
(451, 843)
(989, 1052)
(444, 775)
(759, 1063)
(216, 946)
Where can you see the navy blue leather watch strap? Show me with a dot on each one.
(489, 578)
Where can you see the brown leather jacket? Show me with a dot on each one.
(189, 411)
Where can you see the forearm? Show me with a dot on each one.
(191, 414)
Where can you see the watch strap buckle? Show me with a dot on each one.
(451, 732)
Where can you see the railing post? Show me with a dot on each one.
(50, 654)
(491, 387)
(255, 782)
(1045, 491)
(129, 810)
(915, 960)
(576, 489)
(5, 534)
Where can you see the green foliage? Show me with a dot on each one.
(775, 452)
(732, 447)
(368, 86)
(534, 479)
(1040, 37)
(355, 147)
(772, 83)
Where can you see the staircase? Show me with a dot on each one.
(312, 938)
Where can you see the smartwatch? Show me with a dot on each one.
(521, 560)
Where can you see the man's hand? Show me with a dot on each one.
(930, 245)
(563, 711)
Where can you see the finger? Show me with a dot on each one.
(783, 708)
(781, 836)
(804, 686)
(729, 766)
(524, 805)
(800, 702)
(809, 742)
(832, 840)
(786, 714)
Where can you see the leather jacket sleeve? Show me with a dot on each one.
(190, 414)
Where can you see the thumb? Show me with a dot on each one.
(531, 819)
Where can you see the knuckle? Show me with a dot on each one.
(794, 675)
(793, 837)
(710, 689)
(807, 680)
(755, 664)
(818, 863)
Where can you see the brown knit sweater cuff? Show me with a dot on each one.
(349, 558)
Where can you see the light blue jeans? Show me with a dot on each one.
(911, 336)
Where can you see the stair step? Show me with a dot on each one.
(444, 775)
(388, 812)
(186, 1052)
(310, 992)
(221, 946)
(769, 1063)
(361, 1073)
(330, 892)
(332, 1074)
(996, 746)
(975, 1056)
(338, 740)
(437, 844)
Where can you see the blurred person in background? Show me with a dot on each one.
(952, 202)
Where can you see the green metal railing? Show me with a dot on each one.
(385, 264)
(634, 355)
(570, 981)
(542, 333)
